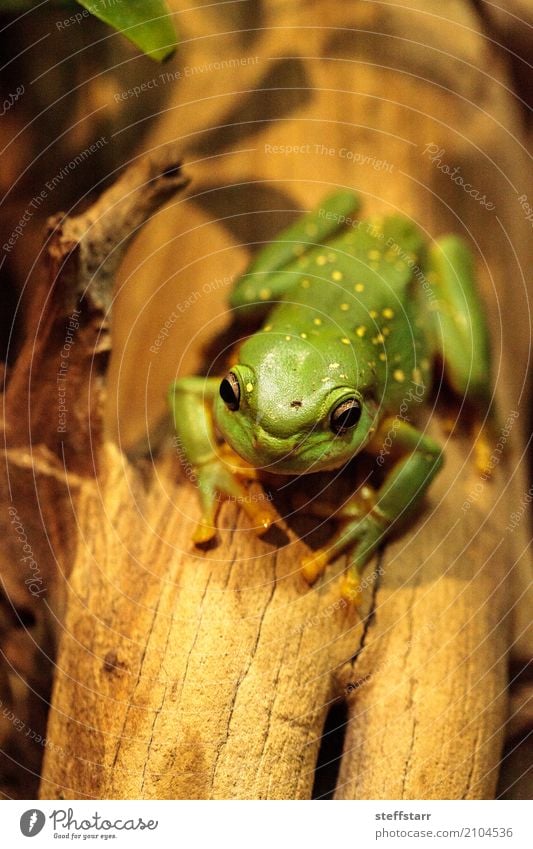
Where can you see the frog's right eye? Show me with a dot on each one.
(345, 416)
(230, 391)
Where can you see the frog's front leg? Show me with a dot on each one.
(417, 459)
(216, 469)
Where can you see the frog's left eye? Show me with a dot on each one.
(345, 416)
(230, 391)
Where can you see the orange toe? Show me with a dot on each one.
(313, 565)
(351, 591)
(203, 533)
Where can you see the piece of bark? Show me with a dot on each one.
(191, 675)
(48, 455)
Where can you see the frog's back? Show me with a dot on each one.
(370, 271)
(372, 262)
(378, 256)
(361, 288)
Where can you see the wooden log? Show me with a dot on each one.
(190, 675)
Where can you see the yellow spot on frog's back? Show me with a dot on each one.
(387, 313)
(344, 307)
(385, 331)
(336, 275)
(417, 375)
(374, 254)
(359, 287)
(398, 375)
(287, 339)
(303, 335)
(267, 327)
(321, 260)
(333, 365)
(249, 387)
(373, 314)
(265, 294)
(378, 339)
(317, 321)
(360, 331)
(305, 283)
(345, 341)
(383, 356)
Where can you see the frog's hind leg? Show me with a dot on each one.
(461, 336)
(274, 269)
(459, 322)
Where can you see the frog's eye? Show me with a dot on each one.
(230, 391)
(345, 416)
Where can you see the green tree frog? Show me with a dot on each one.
(352, 314)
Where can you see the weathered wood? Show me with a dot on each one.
(52, 419)
(191, 675)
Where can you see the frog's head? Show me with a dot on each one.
(289, 407)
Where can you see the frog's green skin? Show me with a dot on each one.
(357, 311)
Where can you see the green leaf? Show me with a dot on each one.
(147, 23)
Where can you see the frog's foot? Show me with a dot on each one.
(314, 564)
(360, 537)
(482, 449)
(350, 589)
(217, 482)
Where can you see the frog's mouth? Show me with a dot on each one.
(299, 455)
(300, 461)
